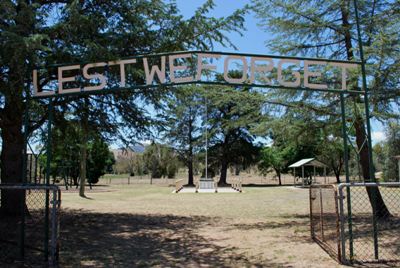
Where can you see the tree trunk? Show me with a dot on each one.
(224, 171)
(75, 179)
(190, 151)
(83, 169)
(83, 151)
(337, 175)
(337, 172)
(190, 172)
(11, 160)
(12, 202)
(11, 116)
(279, 177)
(373, 192)
(237, 170)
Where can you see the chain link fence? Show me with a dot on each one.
(370, 217)
(324, 218)
(29, 225)
(357, 222)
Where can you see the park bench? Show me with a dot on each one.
(236, 184)
(178, 185)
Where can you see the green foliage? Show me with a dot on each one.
(232, 113)
(130, 162)
(327, 29)
(182, 128)
(379, 150)
(391, 170)
(42, 33)
(100, 160)
(276, 158)
(66, 154)
(161, 161)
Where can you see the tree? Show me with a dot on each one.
(326, 29)
(380, 155)
(297, 135)
(41, 33)
(276, 158)
(161, 161)
(390, 172)
(66, 154)
(100, 160)
(231, 114)
(129, 161)
(182, 126)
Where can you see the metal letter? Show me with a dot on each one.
(296, 74)
(226, 70)
(173, 68)
(201, 66)
(122, 64)
(36, 91)
(260, 68)
(344, 66)
(307, 74)
(154, 69)
(62, 79)
(94, 76)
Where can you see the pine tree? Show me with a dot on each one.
(391, 169)
(41, 33)
(326, 29)
(181, 118)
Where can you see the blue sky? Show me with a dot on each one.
(253, 39)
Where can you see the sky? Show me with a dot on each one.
(253, 40)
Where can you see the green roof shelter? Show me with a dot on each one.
(306, 163)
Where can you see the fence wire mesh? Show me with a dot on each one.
(369, 232)
(324, 218)
(29, 230)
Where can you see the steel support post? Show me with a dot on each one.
(48, 165)
(348, 193)
(367, 115)
(24, 174)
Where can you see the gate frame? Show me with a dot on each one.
(364, 91)
(342, 217)
(337, 221)
(52, 212)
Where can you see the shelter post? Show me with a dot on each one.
(315, 176)
(294, 176)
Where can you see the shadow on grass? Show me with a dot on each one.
(133, 240)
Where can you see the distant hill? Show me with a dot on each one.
(139, 148)
(127, 152)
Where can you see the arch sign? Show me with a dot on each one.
(193, 67)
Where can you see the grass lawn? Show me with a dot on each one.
(148, 226)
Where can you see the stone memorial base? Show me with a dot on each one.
(206, 183)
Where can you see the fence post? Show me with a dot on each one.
(321, 214)
(311, 213)
(335, 196)
(48, 166)
(342, 222)
(54, 228)
(374, 224)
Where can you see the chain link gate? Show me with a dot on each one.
(369, 233)
(351, 226)
(31, 234)
(324, 220)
